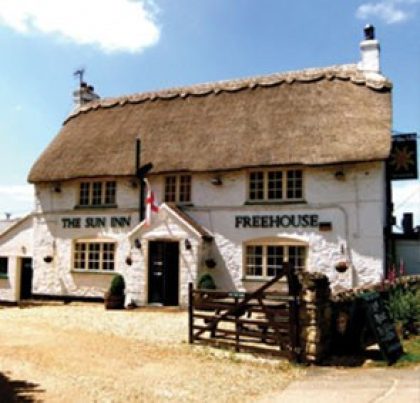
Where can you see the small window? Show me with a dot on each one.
(266, 260)
(4, 264)
(178, 188)
(94, 256)
(97, 194)
(275, 185)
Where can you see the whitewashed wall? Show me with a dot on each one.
(355, 206)
(16, 243)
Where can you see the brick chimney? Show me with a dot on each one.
(370, 52)
(84, 94)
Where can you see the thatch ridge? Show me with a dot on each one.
(312, 117)
(347, 72)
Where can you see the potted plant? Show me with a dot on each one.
(115, 296)
(206, 282)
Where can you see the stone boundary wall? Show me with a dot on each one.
(332, 324)
(315, 316)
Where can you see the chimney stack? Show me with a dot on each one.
(407, 223)
(370, 51)
(84, 94)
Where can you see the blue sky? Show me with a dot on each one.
(131, 46)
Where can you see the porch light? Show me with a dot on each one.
(137, 243)
(188, 245)
(48, 259)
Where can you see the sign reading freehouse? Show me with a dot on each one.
(277, 221)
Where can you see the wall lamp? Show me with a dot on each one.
(56, 187)
(216, 181)
(137, 243)
(48, 259)
(340, 175)
(188, 245)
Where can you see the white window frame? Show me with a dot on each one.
(265, 243)
(101, 261)
(103, 195)
(284, 185)
(178, 188)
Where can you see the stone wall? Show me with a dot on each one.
(315, 316)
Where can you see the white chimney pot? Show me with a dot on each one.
(370, 52)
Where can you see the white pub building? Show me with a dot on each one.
(249, 174)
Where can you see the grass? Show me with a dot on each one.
(412, 352)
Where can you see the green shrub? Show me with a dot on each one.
(117, 285)
(404, 305)
(206, 282)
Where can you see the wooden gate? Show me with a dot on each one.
(262, 321)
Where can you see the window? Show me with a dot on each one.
(178, 188)
(97, 194)
(4, 263)
(275, 185)
(94, 256)
(266, 260)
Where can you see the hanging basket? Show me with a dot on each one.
(341, 267)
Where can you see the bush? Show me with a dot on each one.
(404, 306)
(206, 282)
(117, 285)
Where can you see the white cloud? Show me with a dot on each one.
(16, 199)
(389, 11)
(112, 25)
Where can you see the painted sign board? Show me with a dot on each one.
(382, 327)
(403, 159)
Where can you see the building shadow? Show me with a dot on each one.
(12, 390)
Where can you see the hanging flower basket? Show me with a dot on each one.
(341, 267)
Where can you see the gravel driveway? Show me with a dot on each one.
(82, 353)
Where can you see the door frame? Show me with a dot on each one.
(147, 261)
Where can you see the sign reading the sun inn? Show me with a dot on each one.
(277, 221)
(96, 222)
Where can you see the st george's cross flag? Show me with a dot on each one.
(151, 204)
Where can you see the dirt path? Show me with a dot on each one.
(81, 353)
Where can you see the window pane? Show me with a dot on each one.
(94, 256)
(185, 188)
(294, 184)
(254, 261)
(80, 256)
(108, 256)
(96, 193)
(256, 186)
(170, 189)
(275, 256)
(275, 185)
(297, 256)
(4, 262)
(110, 190)
(84, 193)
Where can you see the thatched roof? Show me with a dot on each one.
(310, 117)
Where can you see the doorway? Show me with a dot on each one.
(26, 278)
(163, 272)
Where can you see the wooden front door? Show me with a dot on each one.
(26, 278)
(163, 272)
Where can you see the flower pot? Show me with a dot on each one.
(114, 301)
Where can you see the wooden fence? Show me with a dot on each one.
(262, 321)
